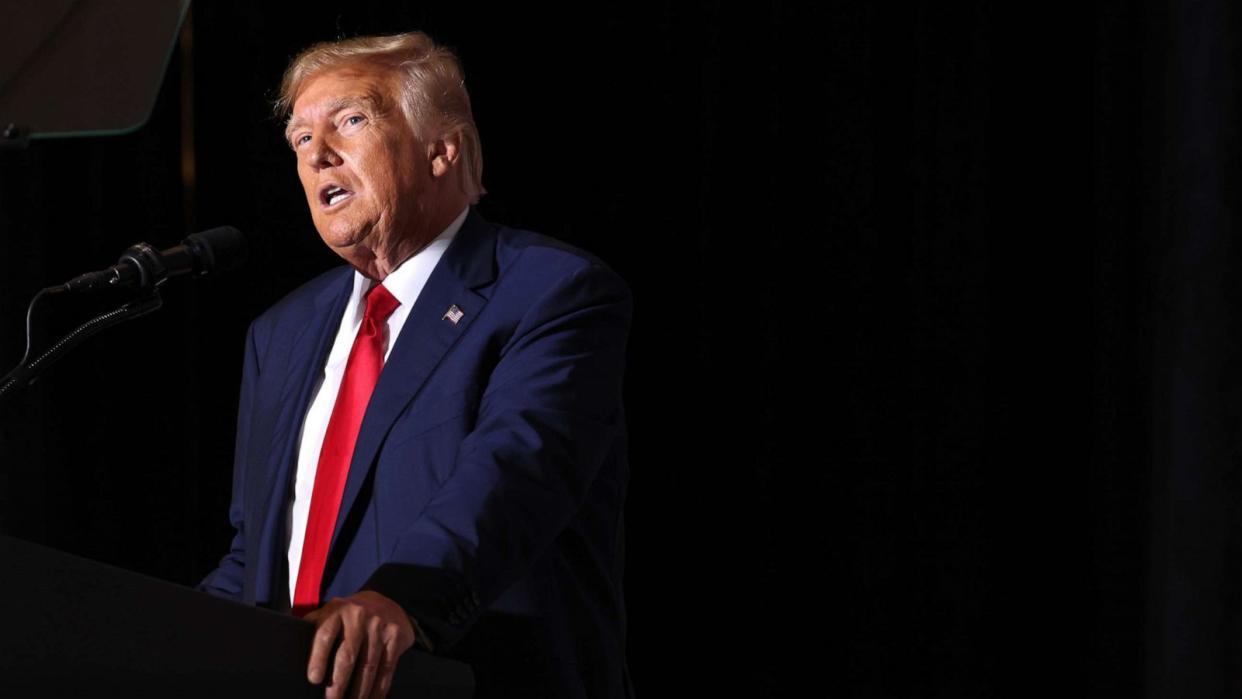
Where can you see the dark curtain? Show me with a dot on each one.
(1165, 457)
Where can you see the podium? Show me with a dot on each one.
(70, 627)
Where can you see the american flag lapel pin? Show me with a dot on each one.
(453, 314)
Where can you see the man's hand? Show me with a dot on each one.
(374, 632)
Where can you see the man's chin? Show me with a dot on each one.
(342, 237)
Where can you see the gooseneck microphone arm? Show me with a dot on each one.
(28, 369)
(141, 267)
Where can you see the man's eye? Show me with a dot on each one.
(299, 140)
(353, 120)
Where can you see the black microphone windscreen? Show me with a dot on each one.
(218, 249)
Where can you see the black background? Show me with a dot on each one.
(931, 385)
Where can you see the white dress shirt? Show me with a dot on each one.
(406, 283)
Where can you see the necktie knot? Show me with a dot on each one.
(380, 304)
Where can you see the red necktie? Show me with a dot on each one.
(366, 359)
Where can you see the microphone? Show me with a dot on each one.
(143, 266)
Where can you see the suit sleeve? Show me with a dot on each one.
(227, 580)
(549, 414)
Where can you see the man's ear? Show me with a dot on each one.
(443, 153)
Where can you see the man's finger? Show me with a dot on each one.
(321, 648)
(387, 669)
(364, 677)
(384, 684)
(346, 655)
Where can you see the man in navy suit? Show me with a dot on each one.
(444, 466)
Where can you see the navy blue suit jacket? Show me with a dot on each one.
(485, 492)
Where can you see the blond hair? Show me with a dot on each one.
(433, 90)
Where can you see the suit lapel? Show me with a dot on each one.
(307, 353)
(467, 265)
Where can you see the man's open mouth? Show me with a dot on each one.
(331, 195)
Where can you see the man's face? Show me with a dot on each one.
(365, 172)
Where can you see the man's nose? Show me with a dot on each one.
(321, 154)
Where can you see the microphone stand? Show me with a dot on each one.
(28, 370)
